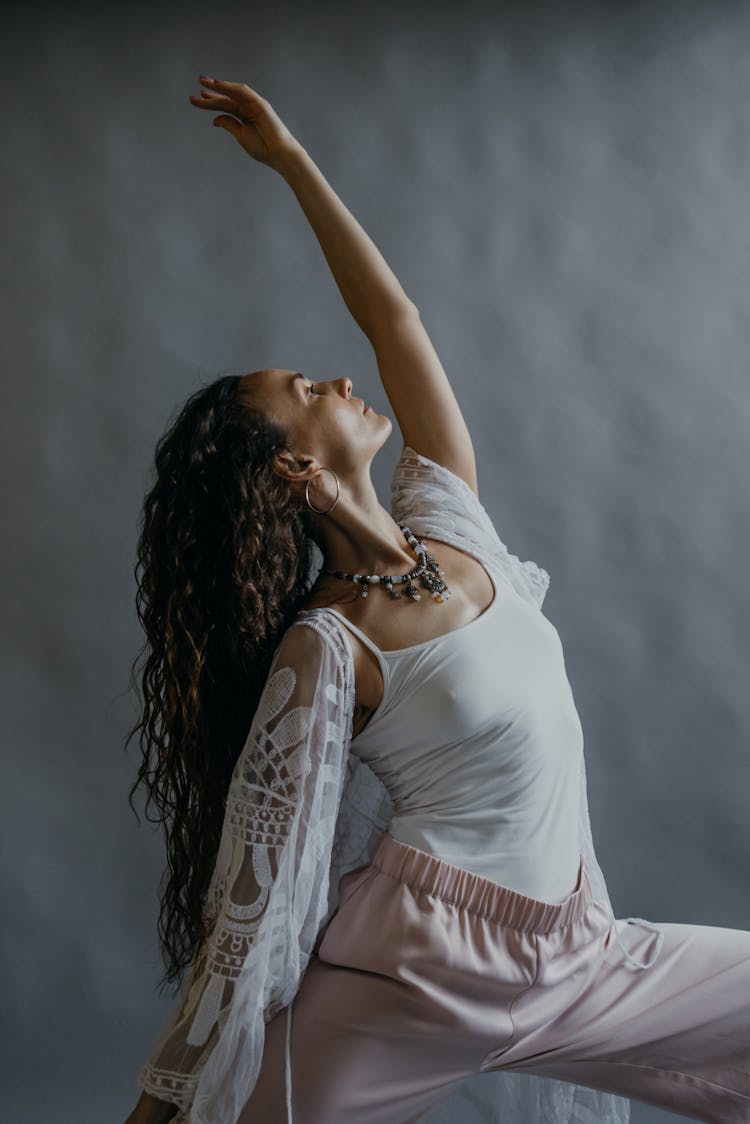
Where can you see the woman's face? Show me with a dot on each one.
(322, 418)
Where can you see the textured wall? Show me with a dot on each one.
(562, 190)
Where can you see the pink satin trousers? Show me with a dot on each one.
(428, 973)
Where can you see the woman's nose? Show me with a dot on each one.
(347, 384)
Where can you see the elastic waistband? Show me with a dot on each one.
(431, 875)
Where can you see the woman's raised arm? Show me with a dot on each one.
(370, 289)
(413, 377)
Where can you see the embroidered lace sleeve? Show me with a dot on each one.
(268, 896)
(433, 501)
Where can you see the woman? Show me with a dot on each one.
(340, 971)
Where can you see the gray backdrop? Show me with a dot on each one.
(562, 190)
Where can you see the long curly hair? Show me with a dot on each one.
(224, 562)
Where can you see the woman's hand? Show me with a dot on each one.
(259, 130)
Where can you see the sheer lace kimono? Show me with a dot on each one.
(301, 812)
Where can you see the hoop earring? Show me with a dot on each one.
(338, 493)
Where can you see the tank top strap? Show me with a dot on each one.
(365, 639)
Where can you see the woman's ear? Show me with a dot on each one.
(295, 467)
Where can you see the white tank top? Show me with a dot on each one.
(478, 742)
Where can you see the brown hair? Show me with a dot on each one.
(224, 561)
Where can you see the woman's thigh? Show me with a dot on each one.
(363, 1051)
(676, 1034)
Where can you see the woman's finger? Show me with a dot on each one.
(239, 91)
(213, 101)
(234, 88)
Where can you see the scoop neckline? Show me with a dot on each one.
(497, 596)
